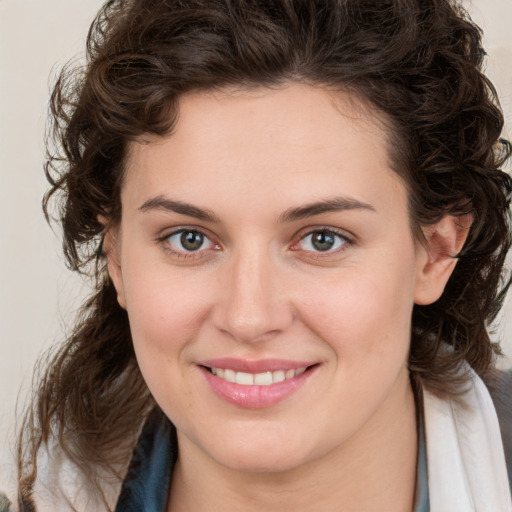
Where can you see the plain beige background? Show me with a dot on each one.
(38, 296)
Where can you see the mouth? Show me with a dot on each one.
(256, 379)
(256, 384)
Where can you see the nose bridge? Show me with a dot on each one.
(254, 304)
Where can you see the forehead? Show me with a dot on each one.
(286, 108)
(297, 138)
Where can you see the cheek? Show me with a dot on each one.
(165, 318)
(166, 312)
(365, 310)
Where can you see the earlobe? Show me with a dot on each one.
(111, 249)
(438, 257)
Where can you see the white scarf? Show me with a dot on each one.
(465, 460)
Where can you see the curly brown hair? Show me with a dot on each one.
(418, 62)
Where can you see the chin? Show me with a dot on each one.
(260, 455)
(256, 463)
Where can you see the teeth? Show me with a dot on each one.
(247, 379)
(278, 376)
(263, 379)
(229, 375)
(258, 379)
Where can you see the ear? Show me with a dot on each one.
(111, 247)
(437, 257)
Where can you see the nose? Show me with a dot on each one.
(255, 304)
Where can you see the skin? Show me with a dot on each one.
(258, 289)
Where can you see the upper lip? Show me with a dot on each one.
(255, 366)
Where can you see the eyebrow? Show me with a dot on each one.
(171, 205)
(335, 204)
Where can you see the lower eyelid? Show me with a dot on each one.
(174, 250)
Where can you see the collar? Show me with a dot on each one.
(466, 462)
(146, 484)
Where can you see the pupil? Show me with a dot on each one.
(323, 241)
(191, 240)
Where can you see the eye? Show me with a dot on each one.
(188, 241)
(322, 240)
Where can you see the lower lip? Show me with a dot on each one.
(255, 397)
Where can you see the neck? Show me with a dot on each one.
(375, 470)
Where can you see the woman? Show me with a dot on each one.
(296, 221)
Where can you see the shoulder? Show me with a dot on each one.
(5, 504)
(500, 389)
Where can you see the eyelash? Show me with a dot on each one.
(184, 254)
(342, 237)
(164, 240)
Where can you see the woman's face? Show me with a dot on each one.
(266, 239)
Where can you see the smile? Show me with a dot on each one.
(256, 384)
(256, 379)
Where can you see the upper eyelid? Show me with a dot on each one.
(344, 240)
(330, 231)
(183, 254)
(349, 241)
(168, 232)
(303, 232)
